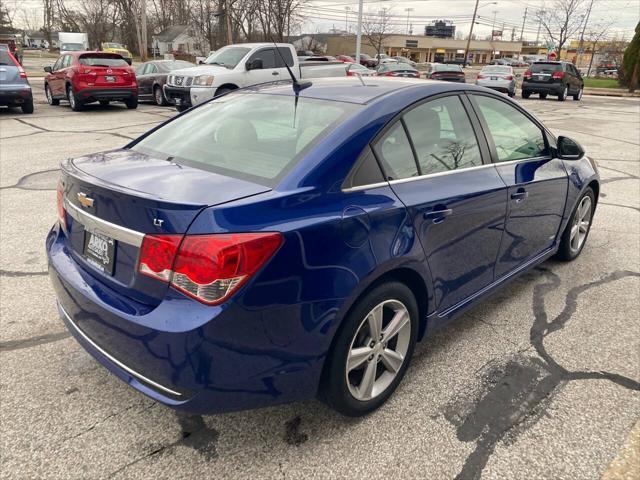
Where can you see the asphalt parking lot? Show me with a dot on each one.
(540, 381)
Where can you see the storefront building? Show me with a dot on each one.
(423, 49)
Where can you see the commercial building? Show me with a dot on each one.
(428, 49)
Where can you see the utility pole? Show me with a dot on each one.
(346, 20)
(359, 31)
(541, 13)
(408, 10)
(513, 33)
(584, 27)
(143, 26)
(473, 21)
(523, 22)
(227, 15)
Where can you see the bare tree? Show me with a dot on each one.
(377, 28)
(562, 20)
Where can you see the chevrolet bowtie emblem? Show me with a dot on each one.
(84, 200)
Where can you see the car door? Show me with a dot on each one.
(440, 169)
(576, 78)
(64, 74)
(537, 183)
(269, 71)
(142, 78)
(55, 80)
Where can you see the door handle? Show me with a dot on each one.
(520, 195)
(275, 73)
(437, 216)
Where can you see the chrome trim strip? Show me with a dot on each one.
(365, 187)
(95, 224)
(440, 174)
(129, 370)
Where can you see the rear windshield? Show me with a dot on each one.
(102, 60)
(5, 58)
(496, 69)
(247, 135)
(448, 68)
(546, 67)
(398, 66)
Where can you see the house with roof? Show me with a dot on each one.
(177, 39)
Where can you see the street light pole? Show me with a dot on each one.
(408, 10)
(346, 24)
(359, 31)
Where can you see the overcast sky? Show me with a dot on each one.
(323, 15)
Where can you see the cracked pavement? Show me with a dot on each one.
(539, 381)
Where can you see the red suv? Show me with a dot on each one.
(85, 77)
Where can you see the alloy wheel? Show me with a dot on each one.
(71, 98)
(580, 224)
(159, 99)
(378, 350)
(49, 96)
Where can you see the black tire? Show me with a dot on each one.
(104, 103)
(565, 251)
(511, 94)
(49, 95)
(543, 96)
(222, 91)
(158, 96)
(562, 96)
(75, 104)
(181, 108)
(578, 96)
(525, 94)
(334, 389)
(131, 103)
(27, 107)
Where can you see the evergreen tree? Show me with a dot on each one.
(631, 63)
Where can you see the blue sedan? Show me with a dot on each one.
(274, 245)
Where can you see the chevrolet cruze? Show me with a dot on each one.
(277, 244)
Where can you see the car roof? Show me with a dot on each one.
(352, 90)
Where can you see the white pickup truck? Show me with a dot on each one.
(242, 65)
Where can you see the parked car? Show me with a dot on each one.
(367, 60)
(242, 65)
(383, 59)
(85, 77)
(345, 59)
(606, 66)
(271, 246)
(397, 70)
(15, 90)
(152, 76)
(8, 42)
(120, 49)
(498, 77)
(320, 58)
(400, 59)
(446, 72)
(456, 61)
(556, 78)
(506, 61)
(357, 69)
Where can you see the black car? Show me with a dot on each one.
(152, 76)
(556, 78)
(366, 60)
(446, 72)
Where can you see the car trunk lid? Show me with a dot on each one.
(113, 199)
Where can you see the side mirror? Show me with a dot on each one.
(569, 149)
(255, 64)
(48, 69)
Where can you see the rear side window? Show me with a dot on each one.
(443, 136)
(546, 67)
(253, 136)
(104, 60)
(366, 172)
(515, 136)
(395, 154)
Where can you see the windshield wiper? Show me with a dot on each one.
(216, 63)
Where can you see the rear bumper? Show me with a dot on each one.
(184, 354)
(539, 87)
(178, 95)
(16, 96)
(89, 94)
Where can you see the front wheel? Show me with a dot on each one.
(526, 94)
(372, 350)
(50, 99)
(577, 230)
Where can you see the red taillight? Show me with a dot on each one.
(527, 74)
(208, 268)
(22, 73)
(62, 214)
(349, 73)
(557, 75)
(509, 77)
(480, 76)
(389, 74)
